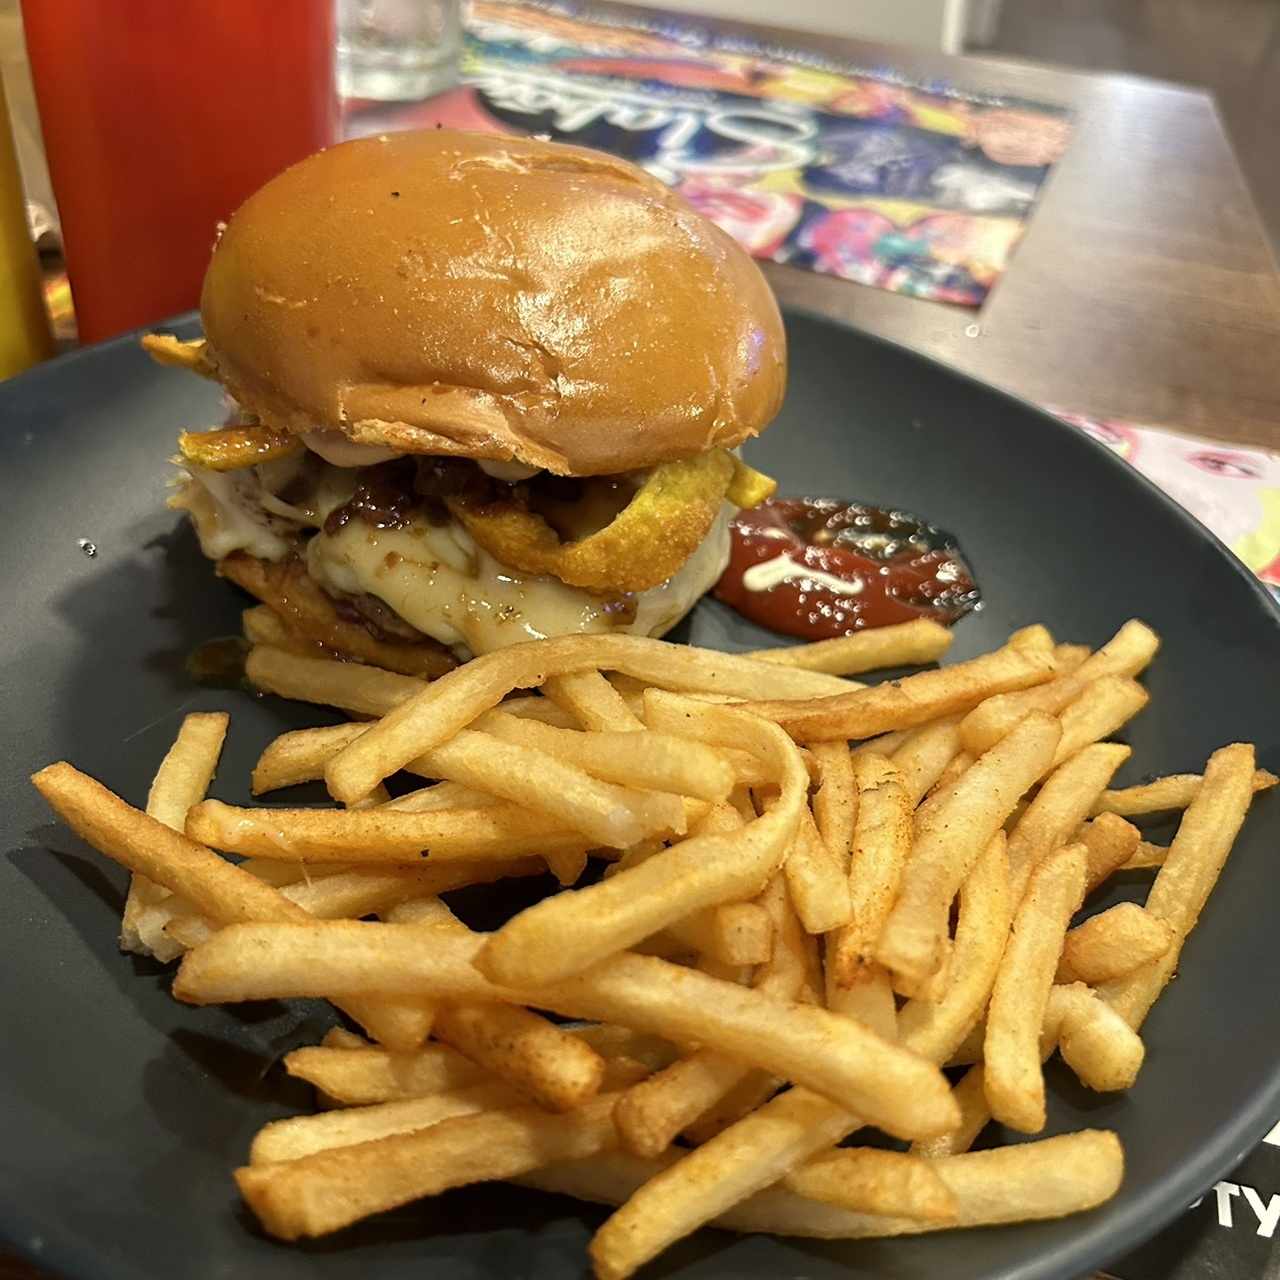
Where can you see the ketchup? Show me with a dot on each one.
(818, 568)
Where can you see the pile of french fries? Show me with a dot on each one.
(808, 897)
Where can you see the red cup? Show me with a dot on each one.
(159, 119)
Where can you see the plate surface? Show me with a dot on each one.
(123, 1112)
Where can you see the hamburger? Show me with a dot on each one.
(485, 389)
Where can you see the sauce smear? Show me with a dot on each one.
(818, 568)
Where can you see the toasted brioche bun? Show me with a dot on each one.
(492, 297)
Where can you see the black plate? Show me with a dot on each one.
(122, 1112)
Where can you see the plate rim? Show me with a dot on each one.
(1152, 1208)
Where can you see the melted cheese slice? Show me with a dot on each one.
(433, 575)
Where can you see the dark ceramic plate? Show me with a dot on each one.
(123, 1112)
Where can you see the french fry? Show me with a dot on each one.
(906, 644)
(884, 744)
(734, 933)
(1112, 944)
(867, 1180)
(652, 761)
(440, 709)
(300, 1136)
(178, 353)
(970, 1095)
(1013, 1078)
(1105, 706)
(1176, 791)
(278, 873)
(1111, 842)
(892, 1087)
(957, 766)
(923, 760)
(651, 1114)
(950, 834)
(524, 1050)
(1033, 638)
(181, 781)
(869, 999)
(1047, 1179)
(215, 887)
(881, 843)
(361, 1076)
(1182, 886)
(376, 835)
(912, 701)
(324, 1192)
(1068, 657)
(533, 778)
(1146, 856)
(442, 795)
(592, 701)
(354, 893)
(1059, 808)
(1094, 1040)
(351, 686)
(835, 803)
(819, 884)
(1125, 654)
(565, 934)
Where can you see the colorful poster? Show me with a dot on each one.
(922, 190)
(1233, 490)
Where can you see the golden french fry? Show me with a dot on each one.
(906, 644)
(181, 781)
(1111, 842)
(178, 353)
(957, 766)
(300, 1136)
(212, 885)
(923, 760)
(376, 835)
(1032, 1180)
(1033, 638)
(835, 803)
(950, 834)
(1059, 808)
(1068, 657)
(528, 776)
(1125, 654)
(869, 999)
(331, 1189)
(884, 744)
(440, 709)
(1182, 886)
(1105, 706)
(819, 884)
(912, 701)
(652, 1113)
(523, 1050)
(352, 686)
(565, 934)
(881, 843)
(1011, 1056)
(359, 1076)
(735, 933)
(1146, 856)
(589, 698)
(442, 795)
(1113, 943)
(892, 1087)
(970, 1096)
(867, 1180)
(1176, 791)
(1094, 1040)
(654, 761)
(278, 873)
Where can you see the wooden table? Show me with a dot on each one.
(1144, 287)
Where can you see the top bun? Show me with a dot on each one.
(492, 297)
